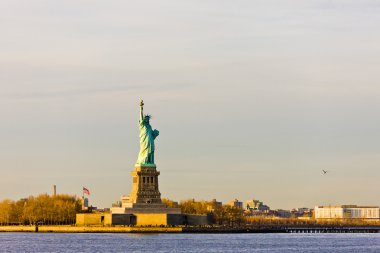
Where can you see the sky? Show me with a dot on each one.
(252, 98)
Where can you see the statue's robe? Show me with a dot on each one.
(147, 136)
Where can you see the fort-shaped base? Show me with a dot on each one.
(149, 208)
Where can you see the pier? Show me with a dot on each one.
(334, 230)
(315, 230)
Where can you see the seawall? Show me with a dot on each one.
(215, 230)
(90, 229)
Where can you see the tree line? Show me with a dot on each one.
(60, 209)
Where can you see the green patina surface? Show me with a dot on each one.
(147, 137)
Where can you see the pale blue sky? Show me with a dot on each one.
(252, 98)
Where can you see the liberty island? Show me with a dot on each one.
(144, 205)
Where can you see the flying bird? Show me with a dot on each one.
(324, 172)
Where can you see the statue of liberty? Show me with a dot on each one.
(147, 136)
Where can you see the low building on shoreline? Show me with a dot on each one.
(347, 212)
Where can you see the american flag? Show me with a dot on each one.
(86, 191)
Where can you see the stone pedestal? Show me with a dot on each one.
(145, 185)
(145, 196)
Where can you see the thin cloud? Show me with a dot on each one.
(92, 91)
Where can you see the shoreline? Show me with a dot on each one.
(215, 230)
(89, 229)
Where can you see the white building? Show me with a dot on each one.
(347, 212)
(236, 203)
(254, 204)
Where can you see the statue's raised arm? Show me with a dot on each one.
(147, 136)
(141, 110)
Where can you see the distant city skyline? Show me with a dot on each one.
(252, 99)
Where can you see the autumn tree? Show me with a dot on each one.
(59, 209)
(170, 203)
